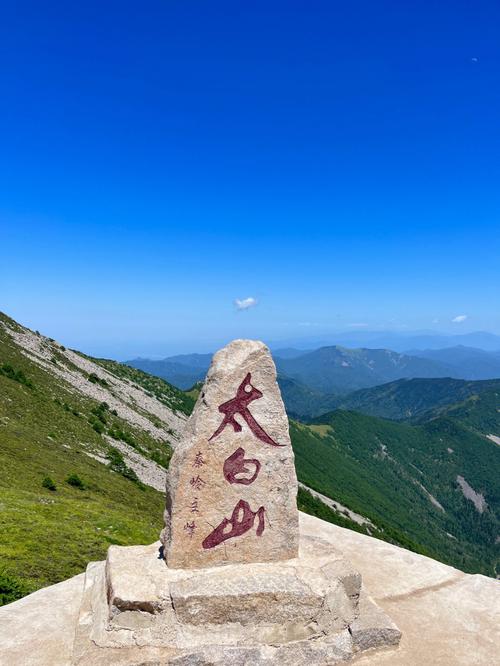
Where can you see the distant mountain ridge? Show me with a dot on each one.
(411, 399)
(472, 363)
(340, 370)
(312, 381)
(176, 372)
(328, 370)
(398, 341)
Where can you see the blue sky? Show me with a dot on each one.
(337, 162)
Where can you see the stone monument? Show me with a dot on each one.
(233, 581)
(231, 489)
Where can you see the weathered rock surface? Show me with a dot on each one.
(231, 484)
(448, 618)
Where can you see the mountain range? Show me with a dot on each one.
(397, 340)
(85, 444)
(311, 382)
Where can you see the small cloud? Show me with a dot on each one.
(435, 321)
(358, 325)
(245, 303)
(459, 319)
(474, 59)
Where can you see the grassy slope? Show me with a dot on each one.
(47, 536)
(347, 462)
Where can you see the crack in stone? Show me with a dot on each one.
(424, 590)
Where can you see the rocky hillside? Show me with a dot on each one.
(84, 444)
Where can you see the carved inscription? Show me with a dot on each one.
(245, 394)
(242, 519)
(237, 464)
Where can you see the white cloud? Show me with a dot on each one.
(245, 303)
(435, 321)
(459, 319)
(360, 324)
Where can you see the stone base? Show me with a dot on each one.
(308, 610)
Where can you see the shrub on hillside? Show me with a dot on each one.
(117, 433)
(75, 481)
(16, 375)
(161, 458)
(117, 464)
(98, 427)
(49, 483)
(11, 588)
(95, 379)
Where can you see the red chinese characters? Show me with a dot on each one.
(245, 394)
(236, 465)
(236, 469)
(242, 519)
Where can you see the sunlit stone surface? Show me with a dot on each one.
(231, 488)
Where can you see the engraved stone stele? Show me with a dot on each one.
(234, 581)
(231, 487)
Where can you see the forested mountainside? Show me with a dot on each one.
(410, 399)
(433, 487)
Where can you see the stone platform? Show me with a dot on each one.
(446, 616)
(307, 610)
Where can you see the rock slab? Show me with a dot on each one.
(301, 611)
(231, 485)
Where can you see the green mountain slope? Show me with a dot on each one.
(411, 398)
(480, 412)
(302, 401)
(404, 479)
(79, 445)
